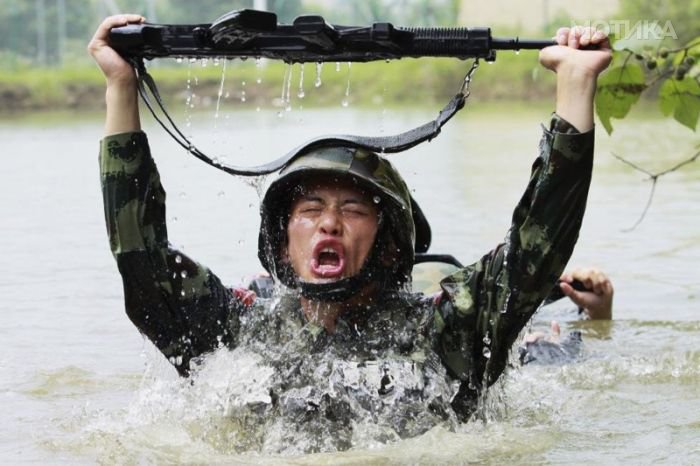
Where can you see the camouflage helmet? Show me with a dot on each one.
(403, 222)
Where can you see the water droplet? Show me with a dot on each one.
(243, 96)
(216, 61)
(221, 194)
(517, 52)
(178, 60)
(258, 62)
(486, 352)
(280, 114)
(183, 274)
(174, 219)
(205, 62)
(337, 66)
(257, 109)
(192, 60)
(243, 83)
(178, 259)
(487, 340)
(241, 242)
(182, 293)
(227, 95)
(344, 103)
(377, 199)
(259, 80)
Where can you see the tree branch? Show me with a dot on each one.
(654, 177)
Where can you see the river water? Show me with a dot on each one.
(80, 386)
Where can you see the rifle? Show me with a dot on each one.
(253, 33)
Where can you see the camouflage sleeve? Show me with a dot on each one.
(178, 304)
(486, 305)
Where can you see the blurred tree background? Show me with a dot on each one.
(43, 62)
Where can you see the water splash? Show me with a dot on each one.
(319, 69)
(301, 92)
(189, 100)
(257, 183)
(346, 100)
(288, 103)
(286, 88)
(219, 95)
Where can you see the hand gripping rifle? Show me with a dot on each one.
(252, 33)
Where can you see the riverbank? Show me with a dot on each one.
(400, 82)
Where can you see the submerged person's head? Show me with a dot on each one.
(337, 220)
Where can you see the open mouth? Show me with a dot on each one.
(328, 259)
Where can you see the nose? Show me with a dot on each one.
(330, 223)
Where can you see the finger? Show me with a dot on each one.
(555, 328)
(601, 39)
(554, 331)
(578, 297)
(585, 37)
(562, 36)
(608, 288)
(574, 35)
(115, 21)
(533, 337)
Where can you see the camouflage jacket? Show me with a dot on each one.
(185, 310)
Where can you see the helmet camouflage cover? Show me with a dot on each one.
(401, 216)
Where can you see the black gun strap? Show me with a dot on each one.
(382, 144)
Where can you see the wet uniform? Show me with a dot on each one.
(408, 362)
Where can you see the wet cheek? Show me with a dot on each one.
(299, 240)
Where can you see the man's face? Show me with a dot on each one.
(331, 231)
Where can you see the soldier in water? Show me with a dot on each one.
(346, 345)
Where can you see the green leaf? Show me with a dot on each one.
(682, 99)
(618, 89)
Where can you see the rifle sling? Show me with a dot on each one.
(382, 144)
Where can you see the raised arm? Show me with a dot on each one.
(121, 96)
(577, 72)
(178, 304)
(486, 305)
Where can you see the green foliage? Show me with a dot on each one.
(672, 72)
(618, 89)
(681, 98)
